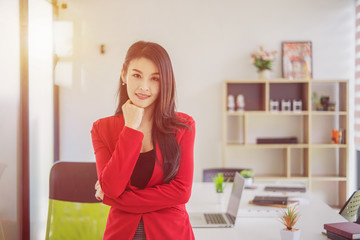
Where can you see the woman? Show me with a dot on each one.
(144, 154)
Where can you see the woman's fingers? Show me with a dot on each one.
(99, 195)
(132, 115)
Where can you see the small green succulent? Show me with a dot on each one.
(219, 182)
(247, 173)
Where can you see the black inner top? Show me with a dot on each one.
(143, 169)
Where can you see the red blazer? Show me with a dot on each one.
(162, 206)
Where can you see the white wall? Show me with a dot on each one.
(9, 115)
(41, 121)
(209, 41)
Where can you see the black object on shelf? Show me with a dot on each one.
(276, 140)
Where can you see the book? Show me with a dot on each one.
(284, 189)
(335, 236)
(349, 230)
(270, 200)
(289, 204)
(276, 140)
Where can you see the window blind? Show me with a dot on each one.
(357, 76)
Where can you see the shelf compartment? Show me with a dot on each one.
(254, 94)
(268, 162)
(298, 162)
(328, 163)
(336, 90)
(322, 125)
(290, 91)
(331, 192)
(276, 126)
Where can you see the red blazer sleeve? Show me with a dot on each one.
(176, 192)
(114, 168)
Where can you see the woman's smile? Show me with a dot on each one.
(142, 96)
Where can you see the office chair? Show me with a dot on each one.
(351, 209)
(74, 212)
(209, 174)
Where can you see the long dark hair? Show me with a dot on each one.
(166, 123)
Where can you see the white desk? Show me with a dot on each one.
(313, 215)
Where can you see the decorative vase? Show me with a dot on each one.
(290, 235)
(264, 74)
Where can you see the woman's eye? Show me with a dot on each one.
(136, 75)
(155, 79)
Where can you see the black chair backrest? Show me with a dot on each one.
(73, 181)
(209, 174)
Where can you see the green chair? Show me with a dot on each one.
(74, 212)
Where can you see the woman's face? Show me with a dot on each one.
(143, 82)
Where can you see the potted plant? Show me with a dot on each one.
(289, 218)
(263, 60)
(220, 186)
(249, 177)
(316, 102)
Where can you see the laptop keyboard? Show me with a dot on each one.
(214, 218)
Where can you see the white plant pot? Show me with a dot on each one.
(220, 198)
(249, 182)
(264, 74)
(290, 235)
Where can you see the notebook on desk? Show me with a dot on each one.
(208, 220)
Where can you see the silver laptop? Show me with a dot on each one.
(227, 219)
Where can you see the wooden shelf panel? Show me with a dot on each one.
(273, 80)
(279, 177)
(328, 113)
(262, 146)
(328, 178)
(330, 145)
(286, 80)
(286, 113)
(272, 113)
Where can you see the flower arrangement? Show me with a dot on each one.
(289, 218)
(219, 180)
(263, 59)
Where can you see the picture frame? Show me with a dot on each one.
(297, 60)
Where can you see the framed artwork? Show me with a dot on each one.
(297, 60)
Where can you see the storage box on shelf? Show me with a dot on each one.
(323, 165)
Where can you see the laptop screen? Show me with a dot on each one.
(236, 192)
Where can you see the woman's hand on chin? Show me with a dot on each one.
(132, 115)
